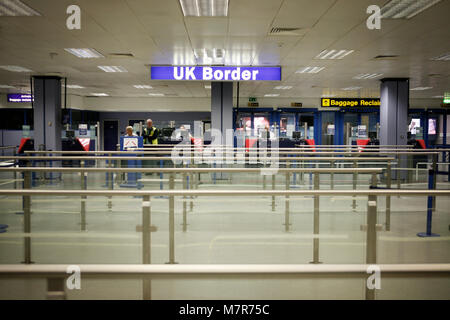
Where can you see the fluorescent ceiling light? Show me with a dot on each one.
(328, 95)
(100, 94)
(405, 9)
(368, 76)
(204, 8)
(421, 88)
(208, 86)
(351, 88)
(156, 94)
(283, 87)
(85, 53)
(142, 86)
(333, 54)
(271, 95)
(440, 97)
(310, 70)
(442, 57)
(74, 86)
(15, 8)
(113, 68)
(5, 86)
(15, 69)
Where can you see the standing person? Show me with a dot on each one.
(150, 133)
(129, 131)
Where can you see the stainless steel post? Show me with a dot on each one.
(172, 221)
(332, 174)
(355, 179)
(83, 198)
(371, 239)
(27, 217)
(388, 198)
(316, 220)
(273, 188)
(146, 244)
(184, 204)
(286, 213)
(111, 182)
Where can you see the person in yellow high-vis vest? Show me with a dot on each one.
(150, 133)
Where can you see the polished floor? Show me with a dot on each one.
(226, 230)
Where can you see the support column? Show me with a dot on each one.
(222, 108)
(394, 115)
(47, 112)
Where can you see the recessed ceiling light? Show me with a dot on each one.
(271, 95)
(15, 69)
(421, 88)
(85, 53)
(333, 54)
(142, 86)
(15, 8)
(283, 87)
(74, 86)
(113, 68)
(156, 94)
(5, 86)
(310, 70)
(442, 57)
(368, 76)
(204, 8)
(405, 9)
(351, 88)
(100, 94)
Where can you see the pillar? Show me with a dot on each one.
(394, 114)
(222, 107)
(47, 112)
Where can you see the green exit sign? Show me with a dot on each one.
(251, 99)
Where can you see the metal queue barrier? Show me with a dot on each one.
(191, 185)
(355, 160)
(371, 228)
(56, 275)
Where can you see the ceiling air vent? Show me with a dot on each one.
(386, 57)
(280, 31)
(120, 55)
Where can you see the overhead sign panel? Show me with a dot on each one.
(19, 97)
(216, 73)
(350, 102)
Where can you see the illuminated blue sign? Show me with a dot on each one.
(216, 73)
(18, 97)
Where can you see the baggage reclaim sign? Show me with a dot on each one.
(216, 73)
(350, 102)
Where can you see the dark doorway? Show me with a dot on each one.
(110, 134)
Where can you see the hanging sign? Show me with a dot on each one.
(215, 73)
(350, 102)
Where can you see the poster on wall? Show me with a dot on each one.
(362, 131)
(431, 126)
(82, 129)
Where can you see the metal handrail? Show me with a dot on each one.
(182, 192)
(293, 152)
(181, 157)
(198, 270)
(191, 170)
